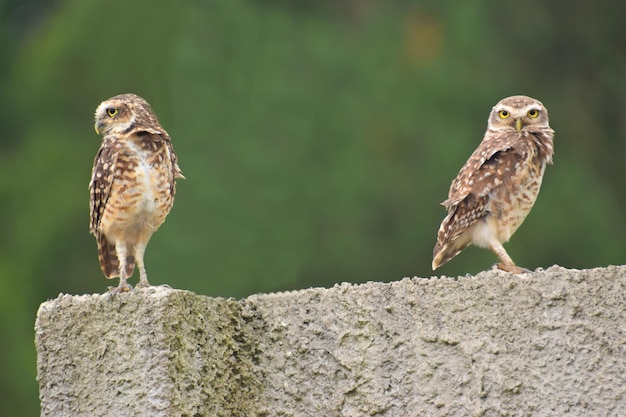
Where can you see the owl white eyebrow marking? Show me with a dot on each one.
(531, 107)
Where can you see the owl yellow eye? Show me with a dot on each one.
(533, 113)
(503, 114)
(112, 112)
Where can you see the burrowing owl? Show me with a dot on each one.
(132, 185)
(496, 188)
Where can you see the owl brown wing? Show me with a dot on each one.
(471, 202)
(489, 166)
(177, 171)
(102, 177)
(492, 165)
(157, 136)
(172, 155)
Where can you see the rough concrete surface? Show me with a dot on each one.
(154, 352)
(549, 343)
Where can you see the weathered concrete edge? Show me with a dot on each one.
(242, 314)
(174, 352)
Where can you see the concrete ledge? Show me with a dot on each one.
(157, 352)
(548, 343)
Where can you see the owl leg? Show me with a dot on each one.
(506, 263)
(140, 249)
(122, 254)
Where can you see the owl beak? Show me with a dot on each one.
(97, 126)
(518, 124)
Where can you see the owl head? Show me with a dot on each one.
(123, 113)
(518, 113)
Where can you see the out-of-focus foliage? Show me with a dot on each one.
(318, 139)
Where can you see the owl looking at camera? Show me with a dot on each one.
(498, 185)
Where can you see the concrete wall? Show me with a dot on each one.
(550, 343)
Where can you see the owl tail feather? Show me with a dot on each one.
(443, 253)
(109, 262)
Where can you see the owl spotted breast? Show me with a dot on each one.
(132, 185)
(498, 185)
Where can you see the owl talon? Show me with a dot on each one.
(123, 287)
(513, 269)
(146, 285)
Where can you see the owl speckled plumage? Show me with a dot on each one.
(132, 185)
(498, 185)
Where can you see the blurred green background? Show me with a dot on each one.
(318, 139)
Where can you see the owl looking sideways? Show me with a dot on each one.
(132, 185)
(498, 185)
